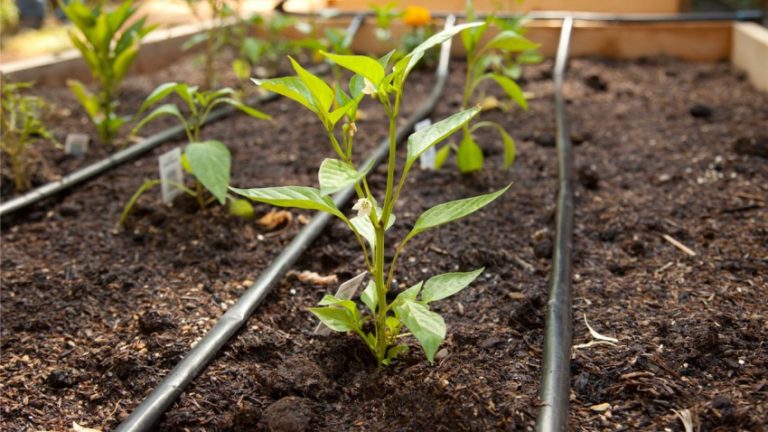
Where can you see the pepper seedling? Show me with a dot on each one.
(490, 61)
(109, 53)
(381, 327)
(22, 123)
(207, 161)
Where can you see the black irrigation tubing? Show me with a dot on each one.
(150, 410)
(122, 156)
(556, 360)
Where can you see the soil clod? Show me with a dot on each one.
(289, 414)
(700, 111)
(752, 146)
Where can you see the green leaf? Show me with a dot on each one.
(241, 208)
(451, 211)
(393, 352)
(253, 112)
(124, 61)
(447, 284)
(241, 68)
(361, 65)
(338, 314)
(469, 156)
(159, 93)
(411, 293)
(441, 156)
(322, 95)
(292, 196)
(290, 87)
(165, 109)
(369, 297)
(211, 162)
(509, 143)
(421, 141)
(87, 53)
(335, 175)
(428, 327)
(510, 40)
(407, 63)
(336, 318)
(511, 89)
(87, 99)
(364, 227)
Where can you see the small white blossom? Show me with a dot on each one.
(369, 88)
(363, 207)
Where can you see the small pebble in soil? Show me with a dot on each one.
(543, 248)
(752, 146)
(578, 137)
(596, 82)
(700, 111)
(69, 209)
(59, 378)
(589, 177)
(152, 321)
(289, 414)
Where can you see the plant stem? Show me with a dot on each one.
(381, 294)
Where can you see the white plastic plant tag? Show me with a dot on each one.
(427, 159)
(346, 291)
(76, 144)
(170, 174)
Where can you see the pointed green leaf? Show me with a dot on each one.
(338, 314)
(364, 227)
(361, 65)
(369, 297)
(336, 318)
(87, 99)
(335, 175)
(124, 61)
(393, 352)
(469, 156)
(511, 89)
(421, 141)
(210, 162)
(292, 196)
(165, 109)
(253, 112)
(451, 211)
(509, 143)
(159, 93)
(407, 63)
(447, 284)
(290, 87)
(322, 95)
(411, 293)
(441, 156)
(510, 40)
(428, 327)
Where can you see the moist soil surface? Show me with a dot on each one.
(94, 317)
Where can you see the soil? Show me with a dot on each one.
(92, 326)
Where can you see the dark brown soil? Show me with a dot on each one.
(93, 318)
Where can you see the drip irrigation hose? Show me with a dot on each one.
(142, 147)
(150, 410)
(556, 360)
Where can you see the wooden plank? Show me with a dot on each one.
(750, 52)
(607, 6)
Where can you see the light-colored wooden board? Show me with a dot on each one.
(607, 6)
(750, 52)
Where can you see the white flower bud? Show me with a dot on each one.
(363, 207)
(369, 88)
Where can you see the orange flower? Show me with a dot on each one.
(416, 16)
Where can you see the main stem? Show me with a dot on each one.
(381, 287)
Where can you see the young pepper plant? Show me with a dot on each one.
(21, 121)
(109, 52)
(384, 321)
(207, 161)
(485, 62)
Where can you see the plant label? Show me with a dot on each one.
(76, 144)
(346, 291)
(170, 174)
(427, 159)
